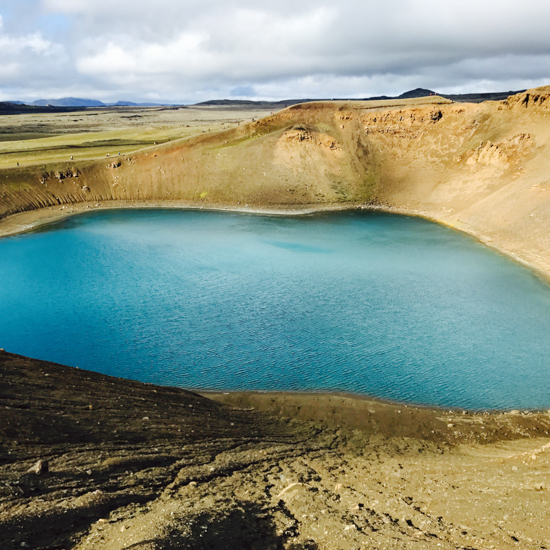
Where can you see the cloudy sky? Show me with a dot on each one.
(190, 50)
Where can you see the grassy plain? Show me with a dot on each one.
(40, 138)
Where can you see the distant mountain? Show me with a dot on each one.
(418, 92)
(12, 108)
(275, 105)
(462, 98)
(75, 103)
(8, 106)
(411, 94)
(79, 102)
(68, 102)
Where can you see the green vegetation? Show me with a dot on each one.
(84, 146)
(43, 138)
(236, 142)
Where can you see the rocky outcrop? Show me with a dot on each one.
(509, 151)
(537, 98)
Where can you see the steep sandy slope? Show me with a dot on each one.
(481, 168)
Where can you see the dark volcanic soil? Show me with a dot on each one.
(139, 466)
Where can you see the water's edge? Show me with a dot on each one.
(351, 211)
(25, 222)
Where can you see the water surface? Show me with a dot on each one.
(385, 305)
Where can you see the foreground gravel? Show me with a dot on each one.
(130, 465)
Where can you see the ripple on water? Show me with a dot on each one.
(384, 305)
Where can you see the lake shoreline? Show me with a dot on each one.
(295, 396)
(31, 220)
(177, 229)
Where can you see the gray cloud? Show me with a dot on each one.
(181, 50)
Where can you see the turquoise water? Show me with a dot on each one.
(390, 306)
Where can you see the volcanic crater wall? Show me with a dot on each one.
(482, 168)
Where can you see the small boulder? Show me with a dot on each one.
(40, 468)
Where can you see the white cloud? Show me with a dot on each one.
(142, 58)
(12, 44)
(26, 60)
(189, 49)
(33, 42)
(8, 70)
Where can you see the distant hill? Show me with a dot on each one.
(18, 108)
(68, 102)
(417, 92)
(7, 106)
(464, 98)
(411, 94)
(75, 103)
(250, 104)
(80, 102)
(275, 105)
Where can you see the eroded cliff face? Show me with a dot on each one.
(482, 168)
